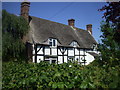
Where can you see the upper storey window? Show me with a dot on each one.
(74, 44)
(52, 42)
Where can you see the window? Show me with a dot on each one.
(71, 59)
(53, 61)
(52, 42)
(74, 44)
(50, 60)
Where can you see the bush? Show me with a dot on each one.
(67, 75)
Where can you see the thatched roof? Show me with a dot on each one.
(41, 30)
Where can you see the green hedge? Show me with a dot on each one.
(68, 75)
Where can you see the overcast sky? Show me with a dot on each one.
(83, 12)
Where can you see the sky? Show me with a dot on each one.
(83, 12)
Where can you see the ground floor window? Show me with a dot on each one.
(51, 60)
(70, 59)
(47, 61)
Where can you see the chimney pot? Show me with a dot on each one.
(71, 22)
(89, 28)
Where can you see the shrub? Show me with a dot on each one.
(67, 75)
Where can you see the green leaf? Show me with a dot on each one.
(57, 74)
(54, 85)
(113, 85)
(84, 85)
(60, 85)
(50, 83)
(91, 85)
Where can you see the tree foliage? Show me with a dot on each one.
(14, 28)
(112, 15)
(110, 46)
(112, 11)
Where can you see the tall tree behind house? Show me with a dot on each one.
(110, 46)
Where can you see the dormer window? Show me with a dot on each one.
(74, 44)
(52, 42)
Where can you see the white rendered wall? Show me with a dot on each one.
(65, 59)
(76, 51)
(33, 51)
(54, 51)
(70, 52)
(60, 59)
(33, 57)
(40, 51)
(81, 52)
(47, 51)
(39, 58)
(59, 52)
(89, 58)
(65, 53)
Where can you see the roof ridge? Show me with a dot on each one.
(58, 23)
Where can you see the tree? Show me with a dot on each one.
(112, 15)
(14, 28)
(110, 46)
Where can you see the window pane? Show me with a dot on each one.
(73, 43)
(53, 61)
(50, 39)
(50, 43)
(54, 44)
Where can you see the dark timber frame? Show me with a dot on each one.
(35, 53)
(62, 50)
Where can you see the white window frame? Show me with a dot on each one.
(74, 44)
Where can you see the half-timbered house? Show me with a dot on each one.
(58, 43)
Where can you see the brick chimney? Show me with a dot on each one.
(89, 28)
(71, 22)
(25, 9)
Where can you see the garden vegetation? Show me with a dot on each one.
(68, 75)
